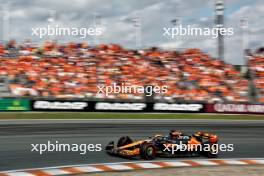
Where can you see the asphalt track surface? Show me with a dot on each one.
(16, 138)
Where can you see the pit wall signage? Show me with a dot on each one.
(15, 104)
(59, 105)
(12, 104)
(235, 108)
(105, 106)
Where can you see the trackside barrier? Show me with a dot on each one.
(235, 108)
(107, 106)
(79, 105)
(15, 104)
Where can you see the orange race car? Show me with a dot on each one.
(176, 144)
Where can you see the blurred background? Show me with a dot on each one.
(132, 49)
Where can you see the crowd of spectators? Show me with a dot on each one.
(256, 65)
(74, 70)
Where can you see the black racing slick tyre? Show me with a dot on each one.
(124, 141)
(211, 153)
(147, 151)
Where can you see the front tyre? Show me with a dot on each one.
(147, 151)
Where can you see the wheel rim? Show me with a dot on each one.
(150, 151)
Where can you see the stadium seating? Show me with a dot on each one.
(256, 65)
(75, 70)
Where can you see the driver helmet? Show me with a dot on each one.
(175, 133)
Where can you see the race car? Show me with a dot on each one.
(176, 144)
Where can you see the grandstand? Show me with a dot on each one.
(75, 70)
(256, 65)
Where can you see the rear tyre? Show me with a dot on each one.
(147, 151)
(124, 141)
(211, 153)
